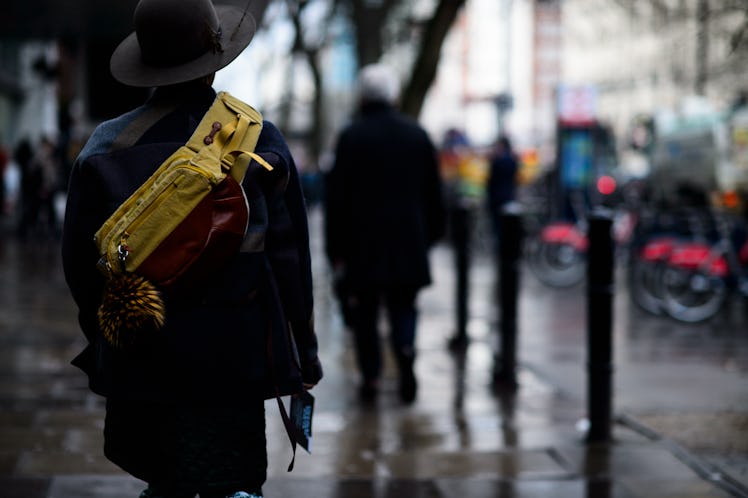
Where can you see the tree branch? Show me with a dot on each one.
(427, 60)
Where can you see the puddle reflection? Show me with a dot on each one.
(464, 435)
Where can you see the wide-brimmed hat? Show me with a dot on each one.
(180, 40)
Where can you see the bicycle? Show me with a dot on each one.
(689, 276)
(557, 252)
(699, 276)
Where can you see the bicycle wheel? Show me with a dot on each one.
(556, 264)
(645, 285)
(692, 295)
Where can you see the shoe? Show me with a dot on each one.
(458, 343)
(368, 391)
(150, 492)
(408, 385)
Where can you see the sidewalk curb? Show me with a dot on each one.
(707, 470)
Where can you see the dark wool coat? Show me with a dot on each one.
(501, 186)
(215, 342)
(384, 206)
(502, 180)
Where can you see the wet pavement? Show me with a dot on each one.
(681, 401)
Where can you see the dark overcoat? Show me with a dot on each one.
(214, 345)
(501, 186)
(384, 206)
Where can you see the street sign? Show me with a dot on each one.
(577, 105)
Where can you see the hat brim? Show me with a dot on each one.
(128, 68)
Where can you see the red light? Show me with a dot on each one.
(606, 185)
(731, 199)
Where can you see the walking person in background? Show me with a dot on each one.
(22, 156)
(502, 183)
(384, 210)
(4, 160)
(39, 182)
(463, 199)
(185, 412)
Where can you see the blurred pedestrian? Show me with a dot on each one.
(4, 160)
(22, 156)
(39, 184)
(455, 156)
(383, 212)
(186, 412)
(502, 182)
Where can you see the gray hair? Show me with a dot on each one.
(378, 83)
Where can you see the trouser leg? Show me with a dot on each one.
(462, 263)
(460, 229)
(366, 336)
(215, 447)
(403, 318)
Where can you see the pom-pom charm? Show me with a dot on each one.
(132, 310)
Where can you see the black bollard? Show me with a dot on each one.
(461, 219)
(600, 288)
(510, 251)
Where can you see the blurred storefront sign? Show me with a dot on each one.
(576, 104)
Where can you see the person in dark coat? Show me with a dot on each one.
(22, 155)
(4, 159)
(185, 413)
(502, 182)
(384, 210)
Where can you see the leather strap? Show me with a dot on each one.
(142, 123)
(272, 290)
(289, 430)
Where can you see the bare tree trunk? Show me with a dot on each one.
(427, 60)
(310, 53)
(702, 47)
(369, 18)
(316, 134)
(286, 104)
(256, 8)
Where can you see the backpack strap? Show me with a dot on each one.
(150, 115)
(271, 287)
(224, 140)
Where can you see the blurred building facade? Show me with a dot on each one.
(645, 55)
(500, 66)
(54, 66)
(671, 79)
(639, 60)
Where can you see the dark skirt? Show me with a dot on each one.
(183, 450)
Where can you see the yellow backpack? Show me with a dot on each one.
(189, 216)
